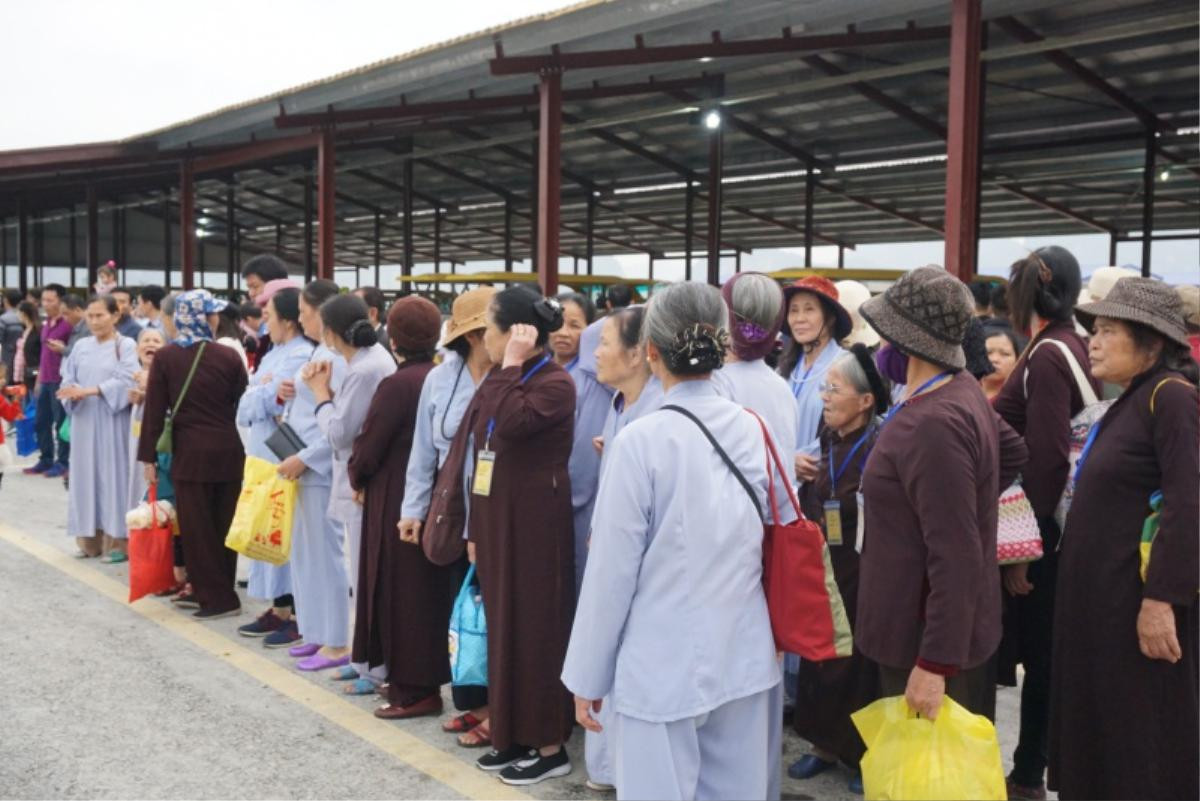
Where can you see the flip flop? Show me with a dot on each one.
(478, 737)
(461, 724)
(346, 673)
(359, 687)
(318, 662)
(114, 558)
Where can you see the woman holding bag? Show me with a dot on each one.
(672, 621)
(403, 602)
(198, 385)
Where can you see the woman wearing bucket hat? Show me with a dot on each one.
(815, 323)
(1050, 384)
(929, 592)
(403, 603)
(445, 396)
(208, 457)
(1124, 717)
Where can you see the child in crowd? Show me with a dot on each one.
(107, 276)
(10, 409)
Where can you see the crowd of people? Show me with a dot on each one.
(593, 476)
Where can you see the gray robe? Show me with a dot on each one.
(99, 435)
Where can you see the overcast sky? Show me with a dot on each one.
(80, 71)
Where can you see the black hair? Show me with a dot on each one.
(415, 355)
(227, 323)
(1174, 356)
(461, 345)
(73, 301)
(153, 294)
(123, 290)
(629, 325)
(1015, 339)
(522, 305)
(12, 297)
(582, 301)
(373, 297)
(618, 296)
(982, 292)
(346, 316)
(250, 311)
(974, 344)
(999, 300)
(1046, 281)
(318, 291)
(58, 289)
(879, 388)
(109, 302)
(266, 266)
(793, 351)
(287, 305)
(697, 350)
(27, 308)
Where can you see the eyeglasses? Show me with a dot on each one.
(830, 389)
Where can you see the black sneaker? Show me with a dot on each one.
(263, 625)
(499, 760)
(537, 768)
(285, 636)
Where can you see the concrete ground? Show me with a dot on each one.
(103, 699)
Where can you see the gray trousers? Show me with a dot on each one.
(729, 752)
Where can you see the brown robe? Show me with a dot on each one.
(1123, 725)
(525, 550)
(827, 692)
(207, 462)
(403, 603)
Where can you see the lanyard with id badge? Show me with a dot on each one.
(485, 460)
(833, 507)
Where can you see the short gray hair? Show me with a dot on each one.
(848, 367)
(167, 306)
(757, 299)
(680, 308)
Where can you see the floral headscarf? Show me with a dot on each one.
(191, 316)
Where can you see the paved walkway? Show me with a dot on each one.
(103, 699)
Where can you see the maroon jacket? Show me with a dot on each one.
(929, 588)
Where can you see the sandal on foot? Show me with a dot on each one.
(478, 737)
(461, 724)
(345, 673)
(359, 687)
(114, 558)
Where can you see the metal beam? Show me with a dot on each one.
(326, 204)
(257, 151)
(166, 216)
(230, 239)
(810, 187)
(689, 211)
(187, 224)
(406, 267)
(1148, 201)
(1045, 203)
(22, 246)
(93, 234)
(962, 139)
(879, 98)
(715, 173)
(475, 104)
(549, 180)
(308, 228)
(515, 65)
(862, 200)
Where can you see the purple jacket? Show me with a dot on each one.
(50, 366)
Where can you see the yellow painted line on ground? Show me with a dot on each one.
(460, 776)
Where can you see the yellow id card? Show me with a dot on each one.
(483, 473)
(833, 522)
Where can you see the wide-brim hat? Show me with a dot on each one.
(852, 295)
(469, 313)
(925, 314)
(827, 294)
(1102, 282)
(1145, 301)
(1189, 297)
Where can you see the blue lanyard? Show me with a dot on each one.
(797, 387)
(1093, 432)
(904, 402)
(569, 366)
(834, 478)
(491, 426)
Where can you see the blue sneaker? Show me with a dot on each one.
(37, 469)
(56, 471)
(808, 766)
(285, 636)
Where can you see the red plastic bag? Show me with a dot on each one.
(151, 554)
(808, 616)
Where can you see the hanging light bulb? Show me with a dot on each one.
(712, 120)
(1164, 175)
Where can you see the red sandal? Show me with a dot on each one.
(461, 724)
(478, 737)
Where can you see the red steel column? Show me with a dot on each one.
(187, 225)
(962, 139)
(326, 189)
(549, 180)
(22, 246)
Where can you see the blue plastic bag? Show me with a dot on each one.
(468, 637)
(27, 430)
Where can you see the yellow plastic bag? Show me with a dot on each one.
(262, 524)
(956, 756)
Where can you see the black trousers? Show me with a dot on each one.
(205, 511)
(975, 689)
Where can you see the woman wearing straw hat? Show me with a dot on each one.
(445, 395)
(929, 591)
(1124, 716)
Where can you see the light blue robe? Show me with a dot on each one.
(99, 486)
(320, 584)
(805, 384)
(672, 620)
(259, 412)
(592, 402)
(765, 392)
(445, 395)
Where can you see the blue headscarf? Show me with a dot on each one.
(191, 316)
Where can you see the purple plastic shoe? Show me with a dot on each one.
(318, 662)
(307, 649)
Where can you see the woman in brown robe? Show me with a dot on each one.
(1124, 715)
(403, 604)
(828, 692)
(521, 532)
